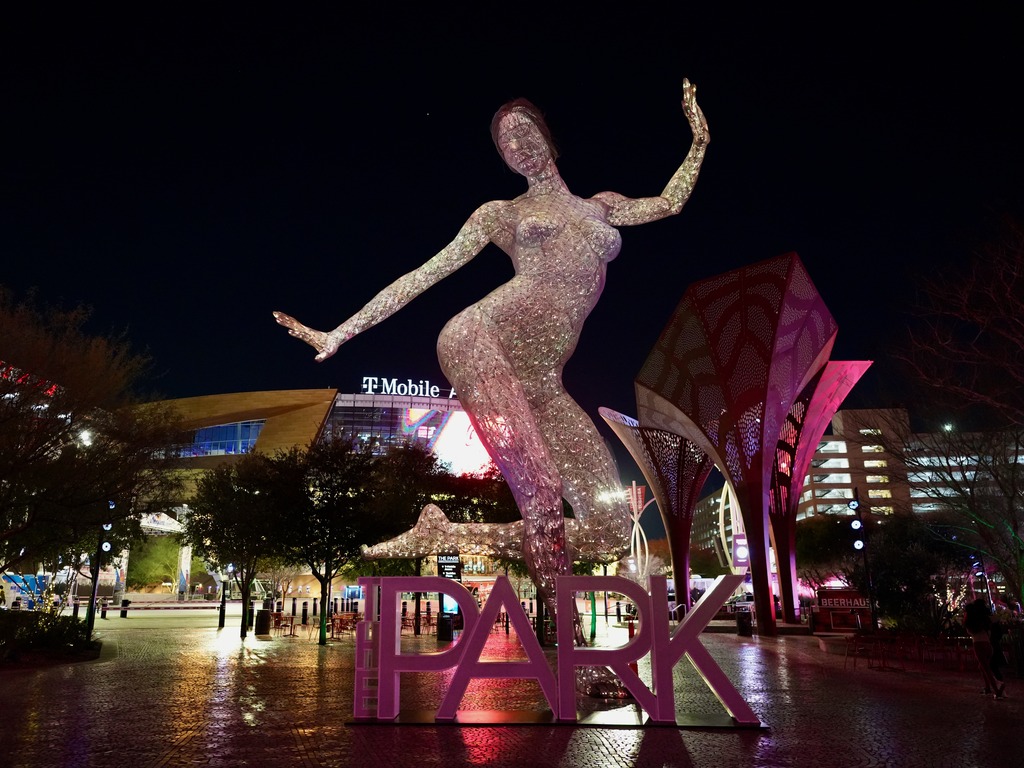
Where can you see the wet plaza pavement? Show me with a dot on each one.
(176, 691)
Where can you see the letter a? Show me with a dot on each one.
(470, 666)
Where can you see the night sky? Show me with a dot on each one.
(186, 174)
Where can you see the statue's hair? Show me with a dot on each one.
(530, 110)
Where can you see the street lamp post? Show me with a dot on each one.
(103, 546)
(224, 596)
(862, 545)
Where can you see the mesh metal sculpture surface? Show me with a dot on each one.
(740, 375)
(505, 354)
(676, 470)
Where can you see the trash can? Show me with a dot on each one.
(445, 631)
(744, 623)
(124, 608)
(263, 622)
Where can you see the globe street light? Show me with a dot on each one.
(861, 545)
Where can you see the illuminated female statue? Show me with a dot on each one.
(505, 354)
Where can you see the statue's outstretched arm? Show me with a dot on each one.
(472, 238)
(624, 211)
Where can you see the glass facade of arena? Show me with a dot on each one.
(390, 420)
(224, 439)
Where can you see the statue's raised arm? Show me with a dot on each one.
(473, 236)
(624, 211)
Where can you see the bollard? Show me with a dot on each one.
(74, 609)
(531, 605)
(405, 608)
(618, 612)
(252, 614)
(314, 605)
(280, 606)
(355, 606)
(523, 603)
(334, 609)
(629, 621)
(305, 612)
(295, 601)
(103, 608)
(445, 628)
(124, 608)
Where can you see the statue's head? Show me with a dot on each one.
(522, 137)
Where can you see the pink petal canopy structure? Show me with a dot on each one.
(740, 378)
(676, 469)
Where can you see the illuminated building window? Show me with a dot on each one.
(832, 509)
(882, 510)
(225, 439)
(875, 463)
(873, 449)
(870, 432)
(832, 446)
(831, 463)
(833, 493)
(878, 478)
(879, 493)
(833, 478)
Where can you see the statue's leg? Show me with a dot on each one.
(590, 478)
(592, 486)
(493, 394)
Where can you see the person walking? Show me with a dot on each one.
(978, 623)
(996, 633)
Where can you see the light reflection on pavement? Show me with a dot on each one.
(179, 692)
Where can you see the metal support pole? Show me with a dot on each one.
(94, 571)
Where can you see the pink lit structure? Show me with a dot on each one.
(740, 379)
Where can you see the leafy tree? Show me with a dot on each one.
(702, 561)
(347, 496)
(155, 560)
(911, 560)
(405, 479)
(911, 564)
(331, 490)
(236, 518)
(824, 549)
(71, 437)
(475, 498)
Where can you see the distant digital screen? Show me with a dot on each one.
(450, 435)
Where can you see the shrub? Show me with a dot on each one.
(40, 633)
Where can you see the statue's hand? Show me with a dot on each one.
(326, 344)
(698, 123)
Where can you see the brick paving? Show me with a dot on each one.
(176, 691)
